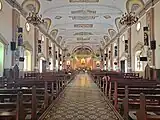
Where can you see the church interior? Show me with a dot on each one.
(79, 60)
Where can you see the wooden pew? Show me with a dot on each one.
(142, 113)
(38, 89)
(124, 90)
(127, 91)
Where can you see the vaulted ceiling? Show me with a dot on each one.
(82, 22)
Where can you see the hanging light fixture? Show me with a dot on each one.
(128, 19)
(34, 18)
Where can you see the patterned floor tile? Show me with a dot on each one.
(81, 100)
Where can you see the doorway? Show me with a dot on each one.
(41, 64)
(123, 66)
(27, 60)
(1, 58)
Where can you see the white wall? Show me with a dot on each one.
(157, 34)
(6, 31)
(28, 36)
(122, 43)
(43, 44)
(137, 37)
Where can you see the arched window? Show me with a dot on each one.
(138, 63)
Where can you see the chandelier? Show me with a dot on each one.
(128, 19)
(35, 19)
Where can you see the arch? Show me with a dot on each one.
(85, 46)
(40, 55)
(31, 5)
(112, 32)
(59, 39)
(134, 5)
(117, 23)
(106, 38)
(138, 63)
(27, 60)
(54, 33)
(47, 23)
(27, 46)
(138, 47)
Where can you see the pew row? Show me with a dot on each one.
(27, 98)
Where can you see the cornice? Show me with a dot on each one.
(16, 5)
(148, 5)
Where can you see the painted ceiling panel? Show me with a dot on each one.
(76, 19)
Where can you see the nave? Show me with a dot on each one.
(82, 100)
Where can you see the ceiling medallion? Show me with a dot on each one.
(0, 5)
(138, 27)
(107, 16)
(27, 26)
(86, 1)
(128, 19)
(58, 17)
(35, 19)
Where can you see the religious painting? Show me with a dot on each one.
(146, 36)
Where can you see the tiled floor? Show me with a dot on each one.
(82, 100)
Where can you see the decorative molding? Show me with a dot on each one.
(138, 47)
(47, 23)
(140, 14)
(134, 5)
(24, 14)
(83, 33)
(83, 17)
(39, 55)
(80, 46)
(83, 25)
(31, 5)
(84, 12)
(59, 39)
(112, 32)
(107, 39)
(123, 56)
(54, 33)
(27, 46)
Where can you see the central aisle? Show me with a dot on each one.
(81, 100)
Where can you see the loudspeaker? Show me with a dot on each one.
(153, 45)
(145, 28)
(143, 58)
(39, 41)
(20, 30)
(21, 59)
(13, 46)
(126, 41)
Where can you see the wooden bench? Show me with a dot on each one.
(38, 95)
(142, 113)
